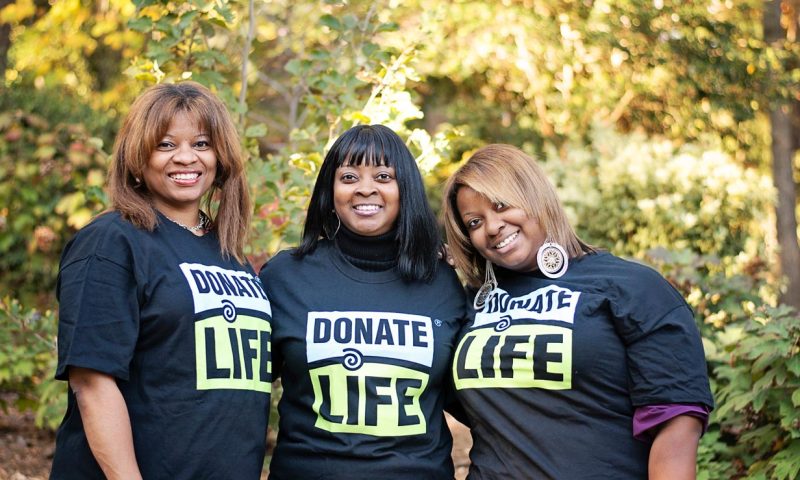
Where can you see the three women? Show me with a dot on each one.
(165, 338)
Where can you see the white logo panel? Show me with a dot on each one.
(354, 335)
(548, 303)
(215, 287)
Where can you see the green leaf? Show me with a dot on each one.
(793, 364)
(331, 22)
(350, 21)
(369, 48)
(141, 24)
(295, 67)
(388, 27)
(187, 18)
(787, 462)
(225, 11)
(45, 152)
(256, 131)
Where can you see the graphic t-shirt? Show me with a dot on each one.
(364, 359)
(185, 332)
(551, 370)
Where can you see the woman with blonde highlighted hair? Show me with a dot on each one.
(164, 328)
(506, 175)
(575, 363)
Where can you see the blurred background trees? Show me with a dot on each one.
(671, 129)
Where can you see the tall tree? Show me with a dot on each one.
(784, 146)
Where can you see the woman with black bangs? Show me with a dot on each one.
(365, 317)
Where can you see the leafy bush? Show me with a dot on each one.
(758, 395)
(632, 194)
(27, 362)
(52, 169)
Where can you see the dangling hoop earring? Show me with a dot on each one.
(338, 226)
(489, 284)
(552, 259)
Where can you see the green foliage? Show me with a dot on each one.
(181, 42)
(80, 48)
(27, 363)
(52, 170)
(659, 194)
(758, 394)
(543, 72)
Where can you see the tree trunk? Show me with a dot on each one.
(782, 174)
(783, 149)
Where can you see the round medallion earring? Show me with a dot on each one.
(552, 259)
(489, 284)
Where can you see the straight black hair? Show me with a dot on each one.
(417, 230)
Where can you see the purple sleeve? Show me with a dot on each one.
(650, 416)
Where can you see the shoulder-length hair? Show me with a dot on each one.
(506, 174)
(417, 231)
(145, 126)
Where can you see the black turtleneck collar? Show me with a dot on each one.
(376, 253)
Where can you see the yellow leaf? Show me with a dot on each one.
(17, 11)
(80, 218)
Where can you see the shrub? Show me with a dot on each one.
(52, 169)
(27, 362)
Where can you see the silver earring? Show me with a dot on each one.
(338, 226)
(552, 259)
(489, 284)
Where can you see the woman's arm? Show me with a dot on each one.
(106, 422)
(673, 455)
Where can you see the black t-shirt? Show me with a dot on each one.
(364, 358)
(185, 332)
(550, 371)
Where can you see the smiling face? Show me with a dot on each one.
(366, 198)
(504, 235)
(181, 170)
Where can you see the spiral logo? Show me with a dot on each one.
(228, 311)
(503, 324)
(352, 359)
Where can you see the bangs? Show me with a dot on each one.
(162, 115)
(366, 149)
(497, 185)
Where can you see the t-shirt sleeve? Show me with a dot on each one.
(666, 362)
(98, 313)
(266, 275)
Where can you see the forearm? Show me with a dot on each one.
(106, 423)
(673, 455)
